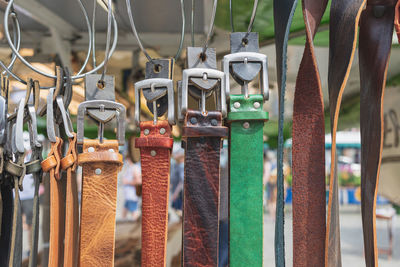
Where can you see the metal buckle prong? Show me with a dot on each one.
(153, 84)
(247, 57)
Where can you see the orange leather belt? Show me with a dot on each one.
(100, 166)
(57, 209)
(68, 164)
(202, 136)
(155, 146)
(309, 151)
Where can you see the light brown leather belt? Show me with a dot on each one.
(57, 209)
(68, 164)
(100, 163)
(309, 151)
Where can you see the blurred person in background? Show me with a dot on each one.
(131, 178)
(177, 177)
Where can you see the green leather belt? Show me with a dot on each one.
(246, 180)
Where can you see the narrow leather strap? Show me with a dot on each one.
(201, 188)
(246, 181)
(57, 209)
(68, 164)
(309, 151)
(99, 200)
(16, 231)
(35, 219)
(283, 16)
(6, 225)
(343, 28)
(155, 144)
(376, 30)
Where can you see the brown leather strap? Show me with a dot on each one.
(68, 164)
(202, 136)
(309, 151)
(344, 19)
(155, 146)
(100, 163)
(376, 31)
(57, 210)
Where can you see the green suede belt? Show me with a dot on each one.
(246, 180)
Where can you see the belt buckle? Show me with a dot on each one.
(244, 57)
(155, 83)
(101, 106)
(207, 74)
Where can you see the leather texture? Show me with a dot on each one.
(202, 143)
(376, 31)
(100, 163)
(343, 29)
(57, 209)
(155, 152)
(246, 181)
(68, 164)
(283, 16)
(309, 224)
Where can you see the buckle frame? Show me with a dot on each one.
(201, 73)
(102, 106)
(153, 84)
(243, 57)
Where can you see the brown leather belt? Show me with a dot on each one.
(155, 146)
(100, 166)
(68, 164)
(343, 28)
(57, 209)
(203, 135)
(376, 31)
(309, 151)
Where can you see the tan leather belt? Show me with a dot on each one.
(309, 151)
(100, 166)
(57, 209)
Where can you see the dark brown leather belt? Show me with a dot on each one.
(309, 151)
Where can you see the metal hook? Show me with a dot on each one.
(253, 16)
(210, 31)
(108, 40)
(23, 60)
(129, 9)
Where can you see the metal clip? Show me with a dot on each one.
(3, 119)
(249, 57)
(101, 106)
(153, 84)
(204, 74)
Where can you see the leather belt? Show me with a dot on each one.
(309, 147)
(376, 31)
(57, 209)
(343, 28)
(68, 164)
(100, 166)
(155, 144)
(202, 136)
(101, 161)
(246, 118)
(283, 17)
